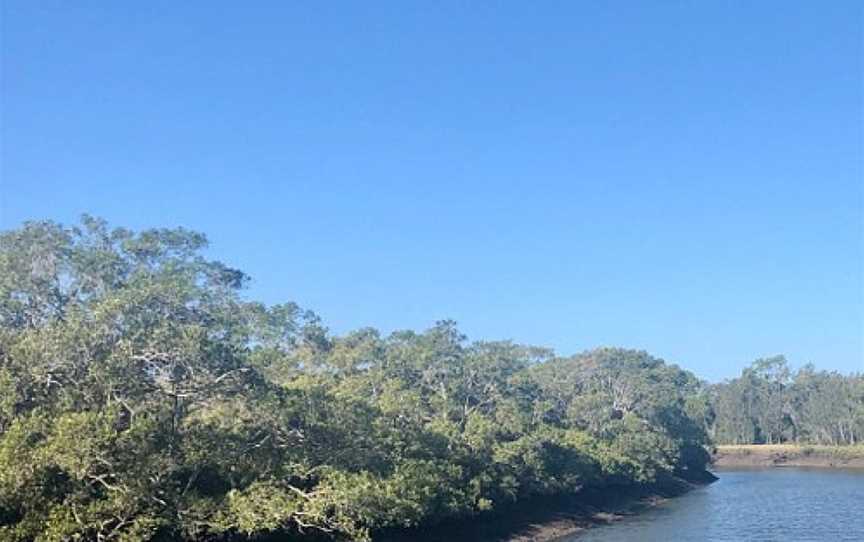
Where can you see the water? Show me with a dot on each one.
(783, 504)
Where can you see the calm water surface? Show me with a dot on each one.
(823, 505)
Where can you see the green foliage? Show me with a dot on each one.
(142, 398)
(768, 404)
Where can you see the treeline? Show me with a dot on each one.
(143, 398)
(770, 404)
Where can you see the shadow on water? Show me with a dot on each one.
(549, 518)
(813, 505)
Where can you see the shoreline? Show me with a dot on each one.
(553, 519)
(788, 455)
(550, 519)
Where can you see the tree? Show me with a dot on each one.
(769, 404)
(143, 398)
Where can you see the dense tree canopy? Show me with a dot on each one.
(143, 398)
(769, 404)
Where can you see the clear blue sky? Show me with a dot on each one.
(683, 177)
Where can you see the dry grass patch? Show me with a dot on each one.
(839, 452)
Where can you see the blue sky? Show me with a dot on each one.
(681, 177)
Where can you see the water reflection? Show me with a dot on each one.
(753, 505)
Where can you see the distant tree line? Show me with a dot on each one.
(770, 404)
(143, 398)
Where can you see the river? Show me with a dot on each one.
(783, 504)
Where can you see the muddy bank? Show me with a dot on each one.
(788, 455)
(552, 518)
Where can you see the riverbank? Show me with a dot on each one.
(788, 455)
(548, 519)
